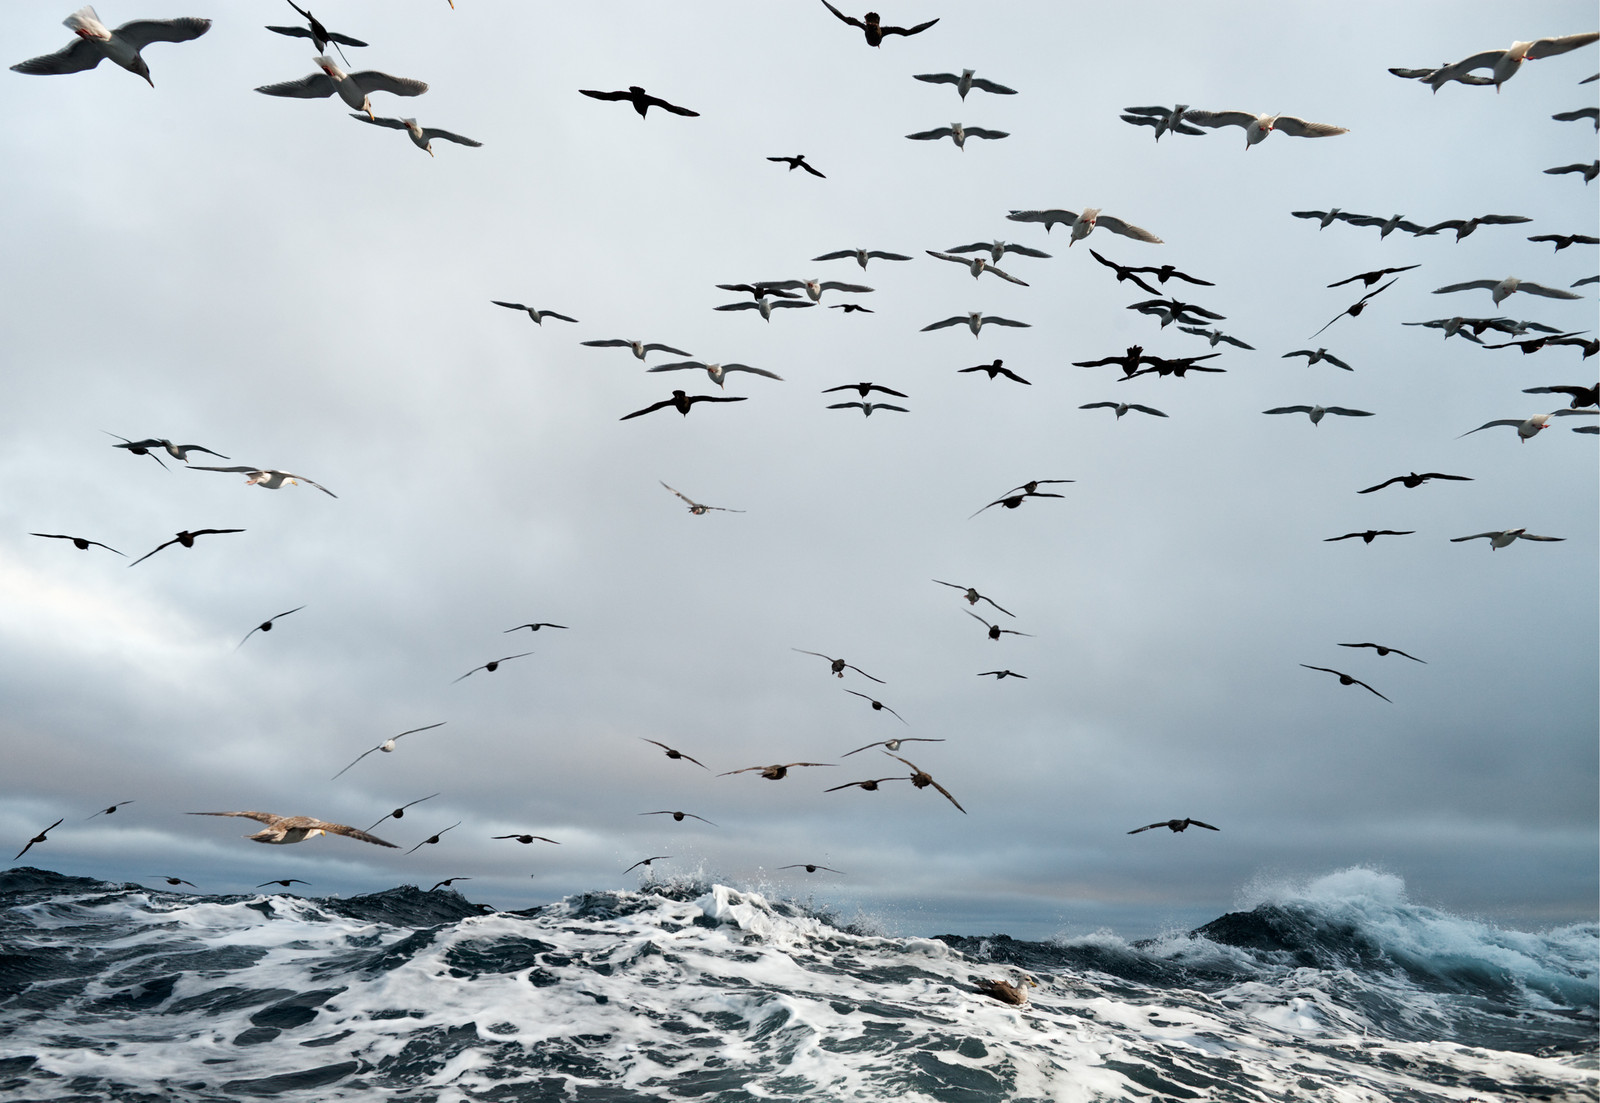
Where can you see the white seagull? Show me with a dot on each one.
(976, 320)
(860, 256)
(1122, 408)
(717, 372)
(421, 136)
(639, 348)
(1314, 355)
(1316, 413)
(1257, 127)
(1528, 427)
(1505, 537)
(353, 88)
(96, 42)
(762, 304)
(958, 134)
(1507, 287)
(1083, 223)
(997, 250)
(977, 266)
(387, 746)
(268, 478)
(966, 82)
(1505, 64)
(815, 288)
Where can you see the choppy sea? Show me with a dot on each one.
(701, 992)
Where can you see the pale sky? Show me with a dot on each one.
(275, 281)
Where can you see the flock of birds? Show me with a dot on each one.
(93, 42)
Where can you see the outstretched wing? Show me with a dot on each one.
(354, 833)
(314, 87)
(1299, 128)
(370, 80)
(76, 57)
(141, 32)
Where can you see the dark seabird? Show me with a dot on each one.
(448, 881)
(1414, 480)
(870, 785)
(973, 597)
(266, 625)
(811, 867)
(1129, 361)
(642, 101)
(1370, 535)
(838, 666)
(774, 773)
(646, 862)
(79, 542)
(678, 816)
(1382, 650)
(671, 753)
(491, 666)
(180, 881)
(995, 369)
(995, 631)
(682, 401)
(1175, 826)
(285, 881)
(137, 447)
(863, 388)
(852, 308)
(433, 838)
(878, 706)
(1345, 679)
(319, 35)
(39, 838)
(1354, 309)
(1581, 397)
(535, 627)
(922, 779)
(186, 538)
(798, 162)
(1002, 675)
(399, 813)
(525, 840)
(872, 26)
(110, 810)
(1369, 278)
(700, 509)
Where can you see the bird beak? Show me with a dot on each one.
(430, 150)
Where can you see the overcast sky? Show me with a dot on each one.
(294, 289)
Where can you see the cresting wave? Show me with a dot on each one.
(1339, 990)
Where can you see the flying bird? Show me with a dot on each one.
(95, 42)
(973, 597)
(837, 667)
(387, 746)
(1180, 366)
(1528, 427)
(870, 785)
(1465, 226)
(448, 881)
(1581, 397)
(682, 401)
(1588, 172)
(1129, 361)
(431, 839)
(1345, 679)
(1214, 335)
(1382, 651)
(1507, 63)
(1315, 355)
(283, 830)
(774, 773)
(811, 867)
(1501, 289)
(543, 623)
(491, 666)
(765, 305)
(80, 542)
(1012, 501)
(977, 266)
(1122, 408)
(646, 862)
(1369, 535)
(866, 408)
(1162, 119)
(997, 250)
(525, 840)
(355, 89)
(957, 133)
(717, 372)
(267, 478)
(1257, 127)
(400, 813)
(1535, 344)
(995, 631)
(319, 35)
(975, 321)
(1414, 480)
(1564, 241)
(798, 162)
(642, 101)
(965, 82)
(1002, 675)
(697, 508)
(860, 256)
(1171, 310)
(639, 348)
(672, 753)
(1590, 113)
(1083, 223)
(39, 838)
(872, 26)
(1175, 826)
(878, 706)
(1325, 218)
(180, 881)
(1316, 413)
(863, 389)
(266, 625)
(922, 779)
(138, 447)
(891, 744)
(1506, 537)
(677, 817)
(537, 315)
(285, 881)
(110, 810)
(1355, 309)
(421, 136)
(186, 538)
(1369, 278)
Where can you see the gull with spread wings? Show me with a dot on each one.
(387, 746)
(283, 830)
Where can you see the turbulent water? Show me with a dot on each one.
(697, 992)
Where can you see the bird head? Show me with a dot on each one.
(142, 69)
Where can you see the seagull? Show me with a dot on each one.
(697, 508)
(997, 250)
(400, 813)
(80, 542)
(957, 133)
(138, 447)
(682, 402)
(525, 840)
(966, 82)
(922, 779)
(421, 136)
(642, 101)
(879, 706)
(973, 597)
(671, 753)
(1505, 64)
(1382, 651)
(867, 407)
(1535, 344)
(386, 747)
(871, 26)
(283, 830)
(1345, 679)
(1316, 413)
(863, 388)
(1325, 218)
(319, 35)
(1122, 408)
(1505, 537)
(1313, 356)
(1354, 309)
(1257, 127)
(1084, 223)
(1002, 675)
(1129, 361)
(811, 867)
(355, 89)
(860, 256)
(1005, 991)
(839, 666)
(1369, 278)
(977, 266)
(798, 162)
(285, 881)
(267, 478)
(994, 370)
(1386, 226)
(431, 839)
(186, 538)
(538, 316)
(1369, 535)
(1506, 287)
(1528, 427)
(639, 348)
(1171, 310)
(763, 304)
(1438, 78)
(1563, 241)
(111, 810)
(870, 785)
(1589, 171)
(1464, 226)
(976, 320)
(540, 624)
(1414, 480)
(96, 42)
(778, 289)
(1175, 826)
(1581, 397)
(1214, 335)
(491, 666)
(678, 816)
(995, 631)
(717, 372)
(448, 881)
(1162, 119)
(266, 625)
(774, 773)
(39, 838)
(892, 744)
(646, 862)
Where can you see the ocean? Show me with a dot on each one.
(702, 992)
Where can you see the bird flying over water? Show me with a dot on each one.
(543, 623)
(872, 26)
(110, 810)
(386, 747)
(922, 779)
(39, 838)
(283, 830)
(526, 840)
(95, 42)
(355, 89)
(642, 101)
(400, 813)
(677, 816)
(431, 839)
(266, 625)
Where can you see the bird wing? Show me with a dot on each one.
(1005, 276)
(314, 87)
(1470, 285)
(752, 371)
(1126, 229)
(1347, 412)
(881, 255)
(991, 86)
(996, 320)
(918, 29)
(1196, 823)
(869, 678)
(653, 407)
(1288, 410)
(835, 285)
(1548, 539)
(1099, 405)
(1547, 292)
(76, 57)
(1221, 118)
(980, 132)
(151, 552)
(590, 92)
(1550, 47)
(263, 817)
(353, 832)
(1380, 486)
(429, 133)
(370, 80)
(850, 19)
(1147, 827)
(1368, 688)
(1332, 359)
(939, 78)
(656, 101)
(929, 135)
(1145, 409)
(1476, 535)
(1492, 424)
(141, 32)
(359, 757)
(959, 319)
(653, 347)
(343, 39)
(310, 482)
(1299, 128)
